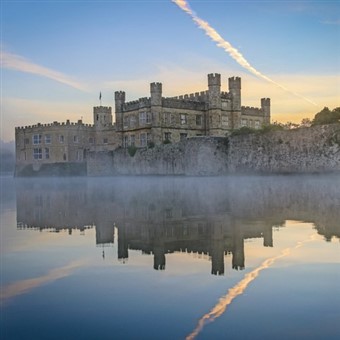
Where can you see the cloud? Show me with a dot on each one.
(15, 62)
(231, 50)
(331, 22)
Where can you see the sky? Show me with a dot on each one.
(57, 56)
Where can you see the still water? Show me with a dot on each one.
(170, 258)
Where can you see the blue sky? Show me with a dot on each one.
(58, 55)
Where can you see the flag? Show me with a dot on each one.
(100, 95)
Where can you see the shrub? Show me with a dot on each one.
(151, 145)
(244, 130)
(132, 149)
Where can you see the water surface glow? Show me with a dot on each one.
(164, 257)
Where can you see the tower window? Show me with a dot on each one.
(183, 118)
(198, 119)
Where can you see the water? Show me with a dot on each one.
(170, 258)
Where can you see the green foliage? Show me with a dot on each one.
(166, 141)
(151, 145)
(270, 127)
(326, 116)
(132, 149)
(244, 130)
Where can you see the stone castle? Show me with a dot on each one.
(141, 123)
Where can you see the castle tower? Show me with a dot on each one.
(102, 116)
(119, 102)
(235, 91)
(268, 236)
(213, 118)
(156, 111)
(265, 106)
(238, 249)
(156, 94)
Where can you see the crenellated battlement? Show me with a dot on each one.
(197, 96)
(265, 102)
(137, 104)
(234, 83)
(251, 111)
(120, 95)
(214, 79)
(182, 103)
(102, 109)
(54, 124)
(226, 95)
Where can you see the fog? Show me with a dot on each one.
(155, 202)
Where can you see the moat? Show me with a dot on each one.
(170, 257)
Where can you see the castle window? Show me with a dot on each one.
(61, 139)
(257, 124)
(183, 118)
(148, 138)
(126, 141)
(172, 119)
(48, 139)
(27, 141)
(36, 139)
(198, 119)
(132, 140)
(79, 152)
(183, 136)
(105, 140)
(37, 153)
(126, 122)
(148, 118)
(132, 121)
(47, 153)
(244, 122)
(142, 118)
(167, 136)
(142, 139)
(75, 139)
(64, 157)
(225, 121)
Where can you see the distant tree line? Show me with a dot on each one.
(7, 157)
(325, 116)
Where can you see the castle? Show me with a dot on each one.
(140, 123)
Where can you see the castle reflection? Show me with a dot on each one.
(158, 216)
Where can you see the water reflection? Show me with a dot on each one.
(209, 216)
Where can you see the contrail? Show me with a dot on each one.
(24, 286)
(239, 288)
(18, 63)
(231, 50)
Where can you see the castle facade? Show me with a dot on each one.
(141, 123)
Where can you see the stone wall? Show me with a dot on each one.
(305, 150)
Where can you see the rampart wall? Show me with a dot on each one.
(305, 150)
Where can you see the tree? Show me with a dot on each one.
(326, 116)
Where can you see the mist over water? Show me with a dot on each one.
(89, 252)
